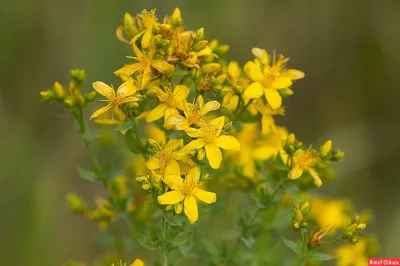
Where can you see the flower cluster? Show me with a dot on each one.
(192, 120)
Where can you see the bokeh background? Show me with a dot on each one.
(348, 49)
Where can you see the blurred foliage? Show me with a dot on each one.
(349, 50)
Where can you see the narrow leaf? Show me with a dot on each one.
(171, 219)
(318, 256)
(87, 175)
(293, 246)
(146, 242)
(127, 124)
(181, 238)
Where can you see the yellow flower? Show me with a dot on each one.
(107, 120)
(185, 190)
(193, 114)
(167, 154)
(304, 161)
(271, 144)
(171, 102)
(330, 212)
(123, 95)
(138, 262)
(352, 255)
(317, 235)
(267, 121)
(269, 79)
(209, 136)
(146, 64)
(236, 87)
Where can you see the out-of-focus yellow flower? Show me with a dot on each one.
(123, 95)
(330, 212)
(193, 114)
(352, 255)
(172, 100)
(267, 121)
(269, 79)
(304, 161)
(138, 262)
(185, 190)
(145, 64)
(209, 136)
(271, 144)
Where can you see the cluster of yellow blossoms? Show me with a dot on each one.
(193, 116)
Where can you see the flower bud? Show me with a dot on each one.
(337, 155)
(58, 90)
(128, 21)
(195, 73)
(142, 178)
(325, 148)
(47, 95)
(200, 45)
(200, 34)
(210, 67)
(154, 144)
(201, 154)
(146, 186)
(305, 208)
(69, 102)
(221, 49)
(168, 208)
(91, 96)
(286, 92)
(361, 226)
(176, 18)
(78, 75)
(178, 208)
(76, 203)
(221, 79)
(298, 216)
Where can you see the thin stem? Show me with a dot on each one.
(305, 241)
(164, 258)
(83, 130)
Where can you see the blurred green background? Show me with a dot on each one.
(348, 49)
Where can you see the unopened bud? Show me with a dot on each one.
(200, 34)
(176, 18)
(325, 148)
(286, 92)
(354, 240)
(142, 178)
(47, 95)
(204, 176)
(337, 155)
(305, 208)
(221, 49)
(168, 208)
(69, 102)
(58, 90)
(195, 73)
(78, 75)
(361, 226)
(76, 203)
(128, 21)
(298, 216)
(210, 67)
(146, 186)
(178, 208)
(296, 225)
(200, 45)
(91, 96)
(201, 154)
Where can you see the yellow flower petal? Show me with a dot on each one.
(234, 70)
(194, 144)
(192, 177)
(254, 90)
(281, 83)
(264, 152)
(314, 174)
(208, 107)
(173, 181)
(171, 197)
(146, 76)
(193, 132)
(163, 66)
(190, 208)
(295, 173)
(205, 196)
(180, 93)
(253, 71)
(294, 74)
(173, 144)
(218, 123)
(227, 143)
(230, 101)
(102, 110)
(273, 98)
(156, 113)
(138, 262)
(171, 111)
(214, 155)
(267, 123)
(127, 88)
(128, 70)
(261, 54)
(177, 122)
(156, 133)
(153, 163)
(146, 38)
(172, 168)
(103, 89)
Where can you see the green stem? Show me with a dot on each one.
(83, 130)
(164, 258)
(305, 242)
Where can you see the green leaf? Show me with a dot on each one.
(127, 124)
(86, 175)
(171, 219)
(318, 256)
(293, 246)
(248, 241)
(181, 238)
(146, 242)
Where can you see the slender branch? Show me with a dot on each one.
(83, 130)
(164, 258)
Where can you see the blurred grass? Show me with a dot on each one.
(348, 49)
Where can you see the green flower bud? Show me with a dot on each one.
(76, 203)
(200, 45)
(47, 95)
(178, 208)
(168, 208)
(200, 34)
(146, 186)
(58, 90)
